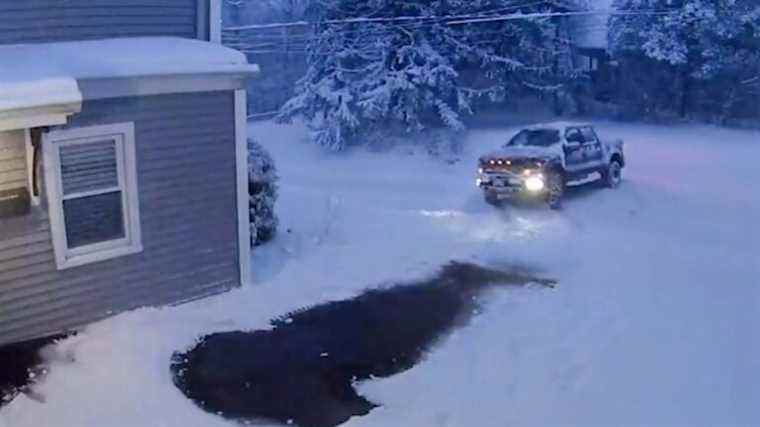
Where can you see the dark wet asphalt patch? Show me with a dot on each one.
(303, 370)
(20, 365)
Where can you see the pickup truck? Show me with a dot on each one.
(540, 161)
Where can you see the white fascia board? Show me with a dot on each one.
(32, 121)
(160, 85)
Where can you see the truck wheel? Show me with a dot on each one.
(492, 199)
(613, 175)
(556, 190)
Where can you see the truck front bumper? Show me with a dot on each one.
(504, 186)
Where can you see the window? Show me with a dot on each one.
(588, 134)
(535, 138)
(573, 135)
(92, 191)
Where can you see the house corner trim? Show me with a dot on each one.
(215, 21)
(244, 225)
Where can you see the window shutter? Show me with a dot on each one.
(89, 167)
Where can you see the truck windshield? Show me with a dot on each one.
(535, 138)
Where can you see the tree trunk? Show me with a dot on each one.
(685, 93)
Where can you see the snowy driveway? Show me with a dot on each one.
(654, 321)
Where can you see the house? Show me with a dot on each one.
(591, 55)
(122, 160)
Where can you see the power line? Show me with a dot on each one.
(482, 13)
(253, 44)
(552, 15)
(247, 39)
(449, 19)
(295, 39)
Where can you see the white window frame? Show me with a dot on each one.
(124, 136)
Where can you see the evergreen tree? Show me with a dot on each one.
(414, 69)
(708, 46)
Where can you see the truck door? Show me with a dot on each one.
(592, 147)
(573, 147)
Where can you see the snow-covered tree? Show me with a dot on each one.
(694, 41)
(407, 66)
(707, 36)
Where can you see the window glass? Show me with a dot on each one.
(574, 135)
(93, 219)
(588, 134)
(535, 138)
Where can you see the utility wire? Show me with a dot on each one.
(483, 13)
(449, 19)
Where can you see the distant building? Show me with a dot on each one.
(591, 54)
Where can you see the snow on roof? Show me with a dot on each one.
(34, 75)
(24, 95)
(125, 57)
(559, 125)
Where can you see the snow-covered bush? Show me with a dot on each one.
(262, 187)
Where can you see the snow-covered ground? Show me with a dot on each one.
(655, 320)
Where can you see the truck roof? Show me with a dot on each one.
(559, 125)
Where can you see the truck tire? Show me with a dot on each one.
(555, 182)
(612, 176)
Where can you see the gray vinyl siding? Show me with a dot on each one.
(187, 190)
(38, 21)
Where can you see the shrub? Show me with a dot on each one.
(262, 188)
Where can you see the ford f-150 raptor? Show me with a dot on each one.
(540, 161)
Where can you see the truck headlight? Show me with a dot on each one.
(535, 184)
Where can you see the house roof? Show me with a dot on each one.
(50, 75)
